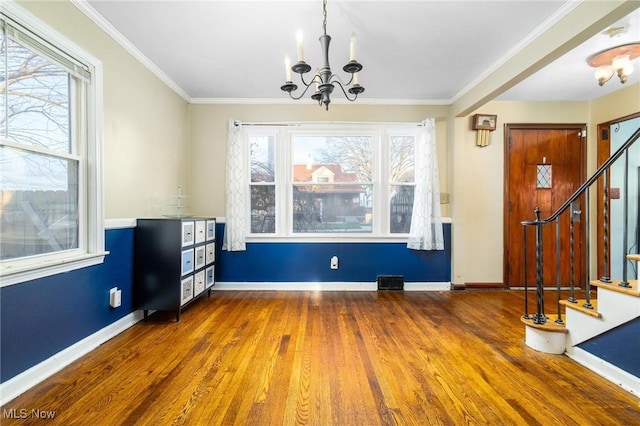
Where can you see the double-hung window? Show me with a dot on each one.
(50, 214)
(331, 180)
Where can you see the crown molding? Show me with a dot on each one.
(119, 38)
(288, 101)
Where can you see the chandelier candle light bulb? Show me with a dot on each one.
(300, 43)
(287, 68)
(352, 47)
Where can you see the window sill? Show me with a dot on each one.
(32, 272)
(331, 239)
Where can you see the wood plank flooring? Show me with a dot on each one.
(330, 358)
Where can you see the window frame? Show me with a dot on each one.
(380, 133)
(263, 132)
(87, 129)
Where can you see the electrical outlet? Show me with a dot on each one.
(445, 198)
(334, 262)
(115, 297)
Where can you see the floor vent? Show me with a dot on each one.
(390, 282)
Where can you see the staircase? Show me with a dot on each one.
(586, 330)
(614, 306)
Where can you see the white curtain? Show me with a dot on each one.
(425, 232)
(235, 231)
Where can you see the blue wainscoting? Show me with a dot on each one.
(42, 317)
(309, 262)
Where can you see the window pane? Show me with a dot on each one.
(263, 209)
(37, 100)
(3, 86)
(402, 158)
(332, 208)
(262, 158)
(332, 159)
(38, 204)
(543, 176)
(401, 206)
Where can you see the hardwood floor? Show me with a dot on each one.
(330, 358)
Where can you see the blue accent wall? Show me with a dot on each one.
(309, 262)
(42, 317)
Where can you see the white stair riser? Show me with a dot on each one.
(616, 308)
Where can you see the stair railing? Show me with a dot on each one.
(540, 317)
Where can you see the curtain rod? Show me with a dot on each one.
(315, 123)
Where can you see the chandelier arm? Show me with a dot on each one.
(316, 75)
(339, 83)
(302, 94)
(336, 78)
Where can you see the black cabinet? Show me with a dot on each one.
(174, 262)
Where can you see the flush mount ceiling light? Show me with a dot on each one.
(616, 60)
(324, 79)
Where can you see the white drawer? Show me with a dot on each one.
(188, 233)
(211, 253)
(186, 290)
(200, 257)
(198, 283)
(201, 231)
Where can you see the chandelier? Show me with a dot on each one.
(323, 80)
(615, 61)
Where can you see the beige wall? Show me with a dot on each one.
(208, 135)
(146, 153)
(618, 104)
(478, 186)
(478, 175)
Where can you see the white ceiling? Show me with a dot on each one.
(412, 51)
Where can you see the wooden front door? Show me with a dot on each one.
(544, 165)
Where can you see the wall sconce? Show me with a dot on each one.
(483, 124)
(616, 60)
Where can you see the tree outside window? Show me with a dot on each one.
(39, 174)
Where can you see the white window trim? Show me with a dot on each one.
(380, 132)
(92, 249)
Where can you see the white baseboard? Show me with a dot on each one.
(428, 286)
(36, 374)
(326, 286)
(625, 380)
